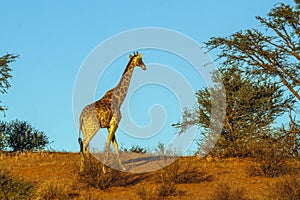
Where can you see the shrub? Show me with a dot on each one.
(142, 193)
(167, 188)
(287, 188)
(11, 189)
(189, 174)
(52, 189)
(224, 191)
(88, 196)
(21, 136)
(94, 177)
(159, 191)
(269, 161)
(137, 149)
(151, 193)
(181, 172)
(169, 177)
(2, 135)
(160, 149)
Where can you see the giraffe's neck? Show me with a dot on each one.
(120, 91)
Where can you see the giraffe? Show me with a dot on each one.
(105, 113)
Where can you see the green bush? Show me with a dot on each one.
(11, 189)
(2, 135)
(21, 136)
(137, 149)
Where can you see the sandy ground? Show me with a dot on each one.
(143, 173)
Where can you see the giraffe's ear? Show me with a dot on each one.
(130, 56)
(140, 55)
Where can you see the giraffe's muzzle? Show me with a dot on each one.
(143, 66)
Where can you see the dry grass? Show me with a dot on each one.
(158, 191)
(270, 160)
(286, 188)
(14, 188)
(179, 172)
(225, 191)
(147, 193)
(93, 176)
(187, 178)
(182, 171)
(52, 189)
(268, 166)
(88, 196)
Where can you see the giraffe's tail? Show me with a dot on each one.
(80, 144)
(79, 138)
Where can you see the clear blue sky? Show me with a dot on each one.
(53, 38)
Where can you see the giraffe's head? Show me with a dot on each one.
(137, 60)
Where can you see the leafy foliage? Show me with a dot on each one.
(290, 137)
(21, 136)
(2, 135)
(252, 106)
(5, 74)
(12, 189)
(275, 52)
(137, 149)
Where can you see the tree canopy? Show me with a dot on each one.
(21, 136)
(252, 107)
(5, 74)
(274, 51)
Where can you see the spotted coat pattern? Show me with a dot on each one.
(105, 113)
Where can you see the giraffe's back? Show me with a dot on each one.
(98, 112)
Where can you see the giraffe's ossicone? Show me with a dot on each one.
(105, 113)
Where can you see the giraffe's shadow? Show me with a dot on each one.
(137, 162)
(147, 163)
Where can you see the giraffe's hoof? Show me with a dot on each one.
(81, 170)
(122, 168)
(104, 169)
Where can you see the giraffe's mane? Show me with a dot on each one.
(135, 54)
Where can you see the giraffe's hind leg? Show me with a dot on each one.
(88, 131)
(116, 147)
(107, 150)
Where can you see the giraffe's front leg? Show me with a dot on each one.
(113, 125)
